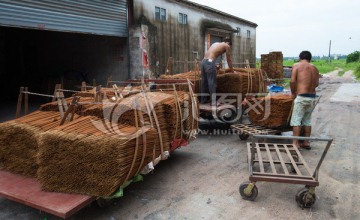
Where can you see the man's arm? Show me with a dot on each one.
(293, 81)
(228, 58)
(317, 74)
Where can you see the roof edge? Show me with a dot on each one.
(216, 11)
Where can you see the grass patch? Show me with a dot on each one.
(341, 72)
(357, 72)
(286, 83)
(288, 62)
(325, 67)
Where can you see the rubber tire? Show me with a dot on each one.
(301, 196)
(224, 119)
(254, 191)
(243, 136)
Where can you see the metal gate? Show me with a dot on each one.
(101, 17)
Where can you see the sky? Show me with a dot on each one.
(293, 26)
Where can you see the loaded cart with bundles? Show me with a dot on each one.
(267, 114)
(75, 150)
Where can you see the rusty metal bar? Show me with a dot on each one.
(301, 158)
(284, 180)
(278, 153)
(261, 164)
(282, 175)
(292, 138)
(316, 172)
(293, 161)
(270, 159)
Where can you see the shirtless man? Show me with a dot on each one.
(304, 80)
(208, 68)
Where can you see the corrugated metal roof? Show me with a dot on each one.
(96, 17)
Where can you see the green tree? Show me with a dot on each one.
(353, 57)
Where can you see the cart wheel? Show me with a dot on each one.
(248, 195)
(304, 199)
(243, 136)
(102, 203)
(227, 115)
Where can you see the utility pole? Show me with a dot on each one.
(329, 52)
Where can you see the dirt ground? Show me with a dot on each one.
(202, 181)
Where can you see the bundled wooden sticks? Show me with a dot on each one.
(193, 76)
(54, 106)
(81, 158)
(107, 143)
(243, 80)
(271, 111)
(19, 141)
(272, 64)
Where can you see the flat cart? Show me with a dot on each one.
(28, 191)
(285, 165)
(245, 130)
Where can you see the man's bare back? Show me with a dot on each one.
(216, 50)
(304, 78)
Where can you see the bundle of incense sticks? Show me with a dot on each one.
(54, 106)
(151, 104)
(242, 82)
(193, 76)
(272, 111)
(93, 156)
(20, 139)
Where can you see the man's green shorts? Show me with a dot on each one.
(303, 107)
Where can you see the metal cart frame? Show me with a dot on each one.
(245, 130)
(286, 154)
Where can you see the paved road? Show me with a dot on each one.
(201, 181)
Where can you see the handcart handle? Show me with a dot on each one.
(316, 172)
(291, 137)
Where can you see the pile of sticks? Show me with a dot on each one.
(272, 64)
(20, 140)
(78, 157)
(244, 81)
(106, 144)
(193, 76)
(272, 111)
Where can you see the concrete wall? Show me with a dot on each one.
(189, 41)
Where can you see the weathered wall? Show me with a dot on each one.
(185, 42)
(143, 53)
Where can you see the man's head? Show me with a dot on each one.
(227, 40)
(305, 55)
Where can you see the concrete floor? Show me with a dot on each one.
(201, 181)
